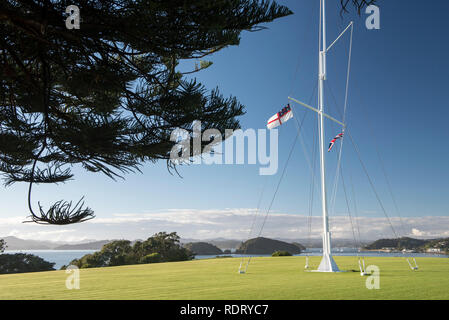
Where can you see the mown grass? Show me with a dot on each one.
(267, 278)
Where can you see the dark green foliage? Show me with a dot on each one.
(151, 258)
(21, 262)
(108, 95)
(203, 248)
(93, 260)
(358, 4)
(410, 244)
(115, 253)
(2, 245)
(167, 245)
(62, 213)
(300, 246)
(161, 247)
(281, 253)
(442, 244)
(399, 243)
(266, 246)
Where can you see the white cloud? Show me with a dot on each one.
(11, 221)
(226, 223)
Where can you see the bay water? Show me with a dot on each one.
(64, 257)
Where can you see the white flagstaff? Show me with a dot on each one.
(327, 263)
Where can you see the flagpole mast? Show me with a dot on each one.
(327, 263)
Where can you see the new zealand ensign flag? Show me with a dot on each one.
(280, 117)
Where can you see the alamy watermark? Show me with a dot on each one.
(189, 148)
(73, 20)
(373, 20)
(73, 280)
(373, 280)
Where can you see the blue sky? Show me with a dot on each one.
(398, 103)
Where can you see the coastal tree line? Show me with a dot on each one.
(166, 247)
(161, 247)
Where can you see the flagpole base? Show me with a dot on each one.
(327, 264)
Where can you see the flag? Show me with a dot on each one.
(280, 117)
(331, 144)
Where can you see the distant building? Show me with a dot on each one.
(433, 250)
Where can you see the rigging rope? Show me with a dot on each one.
(298, 66)
(339, 167)
(276, 191)
(365, 169)
(372, 184)
(356, 241)
(272, 200)
(355, 210)
(414, 265)
(390, 190)
(312, 167)
(255, 218)
(348, 72)
(298, 128)
(334, 194)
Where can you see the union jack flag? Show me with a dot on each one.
(339, 136)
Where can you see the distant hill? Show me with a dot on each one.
(267, 246)
(442, 244)
(224, 243)
(318, 242)
(14, 243)
(399, 243)
(300, 246)
(221, 243)
(203, 248)
(409, 244)
(95, 245)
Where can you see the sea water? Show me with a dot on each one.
(59, 257)
(64, 257)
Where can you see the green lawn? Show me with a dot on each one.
(267, 278)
